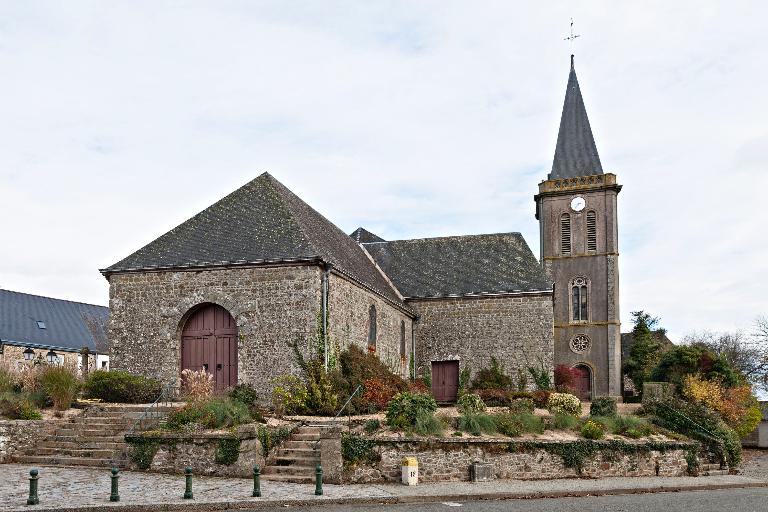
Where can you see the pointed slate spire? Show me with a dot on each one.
(576, 153)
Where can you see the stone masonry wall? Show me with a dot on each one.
(516, 330)
(348, 322)
(271, 305)
(18, 435)
(450, 460)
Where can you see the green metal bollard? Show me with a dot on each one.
(256, 482)
(319, 480)
(33, 498)
(114, 495)
(188, 490)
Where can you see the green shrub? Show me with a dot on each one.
(495, 397)
(372, 426)
(121, 387)
(607, 422)
(405, 407)
(270, 437)
(470, 403)
(357, 366)
(61, 384)
(603, 406)
(592, 430)
(513, 425)
(477, 423)
(244, 393)
(428, 425)
(632, 426)
(289, 395)
(565, 403)
(562, 421)
(213, 413)
(541, 377)
(522, 405)
(322, 398)
(356, 449)
(492, 377)
(227, 451)
(15, 406)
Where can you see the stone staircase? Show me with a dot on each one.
(295, 460)
(94, 438)
(712, 470)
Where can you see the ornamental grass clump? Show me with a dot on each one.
(562, 421)
(564, 403)
(514, 425)
(213, 413)
(61, 384)
(196, 385)
(477, 423)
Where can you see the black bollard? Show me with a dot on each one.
(188, 490)
(33, 498)
(114, 495)
(256, 482)
(319, 480)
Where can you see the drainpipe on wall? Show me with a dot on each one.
(413, 347)
(324, 321)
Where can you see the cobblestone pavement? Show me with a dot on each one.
(756, 465)
(68, 487)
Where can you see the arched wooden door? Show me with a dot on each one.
(209, 342)
(583, 382)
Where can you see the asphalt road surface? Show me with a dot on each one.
(731, 500)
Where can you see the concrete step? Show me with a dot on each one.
(73, 452)
(67, 461)
(290, 470)
(297, 452)
(80, 439)
(305, 437)
(291, 444)
(88, 432)
(71, 445)
(297, 479)
(714, 472)
(305, 462)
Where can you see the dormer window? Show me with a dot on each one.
(40, 324)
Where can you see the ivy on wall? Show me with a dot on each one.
(227, 451)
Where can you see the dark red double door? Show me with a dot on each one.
(209, 342)
(583, 382)
(445, 380)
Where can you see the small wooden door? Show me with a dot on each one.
(445, 380)
(583, 382)
(209, 342)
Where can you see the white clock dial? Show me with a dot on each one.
(578, 204)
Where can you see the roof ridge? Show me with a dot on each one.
(280, 189)
(446, 237)
(53, 298)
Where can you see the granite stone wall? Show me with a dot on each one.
(271, 305)
(18, 435)
(516, 330)
(348, 323)
(450, 461)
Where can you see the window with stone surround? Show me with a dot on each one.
(372, 328)
(579, 299)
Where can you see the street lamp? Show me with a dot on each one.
(51, 357)
(29, 354)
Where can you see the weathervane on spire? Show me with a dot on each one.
(572, 37)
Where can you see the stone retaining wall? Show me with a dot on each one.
(450, 460)
(18, 435)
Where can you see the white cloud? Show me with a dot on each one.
(410, 118)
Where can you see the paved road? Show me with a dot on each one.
(733, 500)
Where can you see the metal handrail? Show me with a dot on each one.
(164, 393)
(333, 422)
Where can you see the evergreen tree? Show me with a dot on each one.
(646, 348)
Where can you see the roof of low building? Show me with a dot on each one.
(363, 236)
(576, 152)
(460, 265)
(261, 222)
(32, 320)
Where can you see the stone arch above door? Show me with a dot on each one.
(209, 342)
(583, 382)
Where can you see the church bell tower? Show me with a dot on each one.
(577, 211)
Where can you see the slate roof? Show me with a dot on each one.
(576, 152)
(460, 265)
(261, 222)
(363, 236)
(68, 325)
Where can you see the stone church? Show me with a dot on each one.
(232, 288)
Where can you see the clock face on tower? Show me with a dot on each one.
(578, 203)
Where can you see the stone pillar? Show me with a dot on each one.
(330, 455)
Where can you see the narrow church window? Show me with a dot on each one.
(579, 300)
(372, 328)
(402, 340)
(591, 231)
(565, 234)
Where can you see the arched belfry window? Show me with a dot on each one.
(591, 231)
(580, 299)
(372, 328)
(565, 233)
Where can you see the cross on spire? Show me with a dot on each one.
(571, 37)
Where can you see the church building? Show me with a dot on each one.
(233, 288)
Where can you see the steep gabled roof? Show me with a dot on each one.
(576, 152)
(65, 325)
(460, 265)
(363, 236)
(261, 222)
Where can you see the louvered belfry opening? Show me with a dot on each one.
(591, 231)
(565, 234)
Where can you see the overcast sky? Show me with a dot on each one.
(122, 119)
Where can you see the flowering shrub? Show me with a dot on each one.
(378, 392)
(592, 430)
(736, 405)
(418, 386)
(522, 405)
(470, 404)
(565, 403)
(196, 384)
